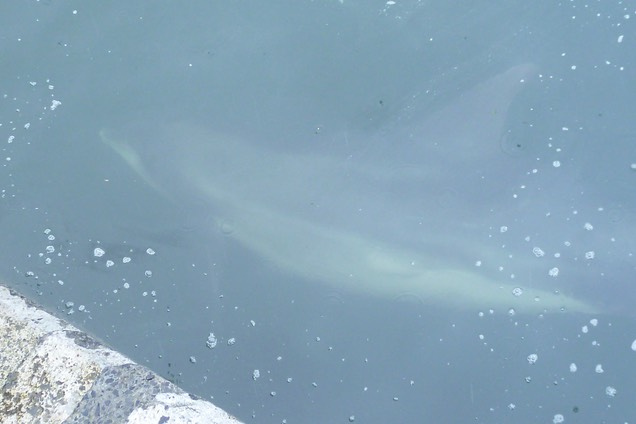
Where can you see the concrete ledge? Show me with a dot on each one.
(52, 372)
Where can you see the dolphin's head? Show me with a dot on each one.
(130, 155)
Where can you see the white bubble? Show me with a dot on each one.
(517, 291)
(538, 252)
(532, 358)
(558, 418)
(554, 272)
(256, 374)
(573, 367)
(610, 391)
(99, 252)
(150, 251)
(634, 345)
(599, 369)
(588, 226)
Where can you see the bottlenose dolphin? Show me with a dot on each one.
(327, 217)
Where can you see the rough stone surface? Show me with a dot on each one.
(52, 372)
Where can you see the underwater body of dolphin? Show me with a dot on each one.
(337, 220)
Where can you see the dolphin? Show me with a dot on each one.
(328, 217)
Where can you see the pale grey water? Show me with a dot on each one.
(352, 81)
